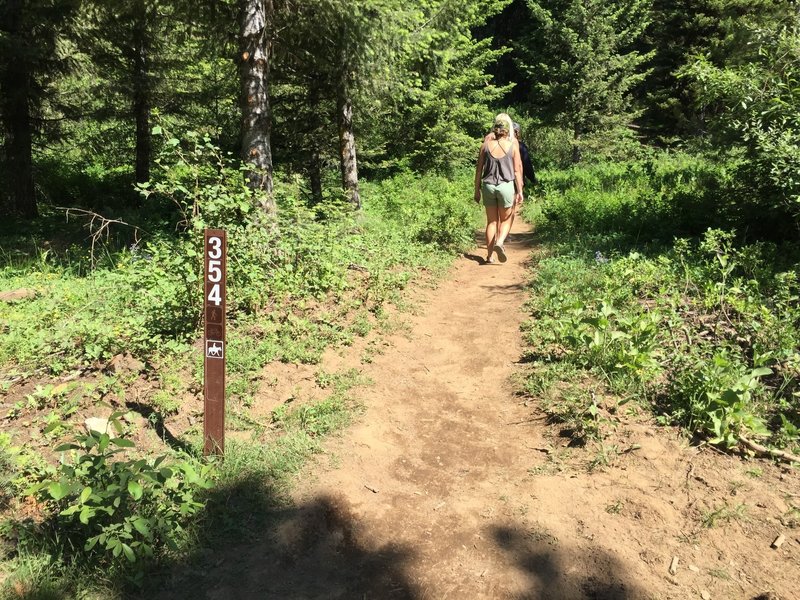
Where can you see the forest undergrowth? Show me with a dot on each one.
(110, 329)
(649, 289)
(645, 289)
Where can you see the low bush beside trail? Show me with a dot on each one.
(639, 287)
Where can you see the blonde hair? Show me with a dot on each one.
(509, 125)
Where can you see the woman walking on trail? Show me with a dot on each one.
(498, 179)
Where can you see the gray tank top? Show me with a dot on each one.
(497, 170)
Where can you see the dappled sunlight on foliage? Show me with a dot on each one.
(705, 329)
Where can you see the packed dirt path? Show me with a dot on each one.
(451, 486)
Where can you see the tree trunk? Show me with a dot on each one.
(347, 146)
(17, 120)
(254, 75)
(141, 91)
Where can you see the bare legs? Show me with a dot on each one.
(506, 218)
(498, 224)
(492, 221)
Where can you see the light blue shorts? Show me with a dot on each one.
(501, 194)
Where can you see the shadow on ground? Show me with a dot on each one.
(474, 258)
(272, 550)
(510, 289)
(564, 574)
(156, 420)
(525, 239)
(319, 550)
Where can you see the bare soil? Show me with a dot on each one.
(451, 485)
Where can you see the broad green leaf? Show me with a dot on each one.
(86, 513)
(65, 447)
(58, 490)
(35, 489)
(142, 526)
(91, 543)
(52, 426)
(191, 474)
(128, 553)
(761, 372)
(135, 489)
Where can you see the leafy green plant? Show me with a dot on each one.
(719, 244)
(704, 328)
(721, 399)
(578, 410)
(451, 227)
(8, 470)
(756, 97)
(107, 506)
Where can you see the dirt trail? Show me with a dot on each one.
(442, 490)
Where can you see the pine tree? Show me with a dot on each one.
(125, 40)
(30, 58)
(582, 58)
(341, 56)
(678, 32)
(446, 102)
(255, 37)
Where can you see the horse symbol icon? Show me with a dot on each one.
(214, 350)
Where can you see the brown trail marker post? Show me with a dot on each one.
(216, 259)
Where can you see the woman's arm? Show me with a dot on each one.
(479, 174)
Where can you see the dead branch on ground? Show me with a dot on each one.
(764, 451)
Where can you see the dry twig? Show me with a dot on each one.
(98, 226)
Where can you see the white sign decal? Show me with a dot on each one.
(215, 349)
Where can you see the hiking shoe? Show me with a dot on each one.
(501, 253)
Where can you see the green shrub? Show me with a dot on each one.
(450, 228)
(550, 147)
(146, 298)
(109, 508)
(704, 328)
(660, 197)
(754, 100)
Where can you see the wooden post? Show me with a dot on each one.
(214, 341)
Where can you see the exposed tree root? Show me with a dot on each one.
(764, 451)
